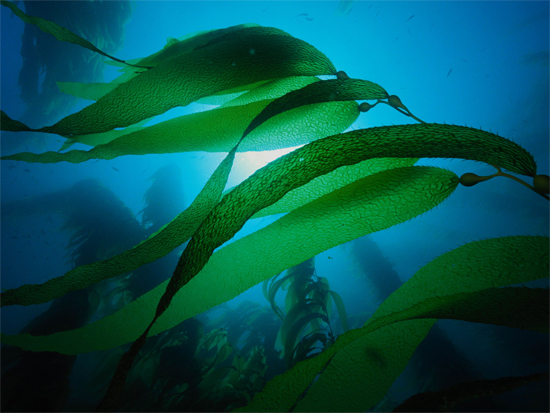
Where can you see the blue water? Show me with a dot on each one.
(479, 64)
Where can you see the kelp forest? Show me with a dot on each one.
(141, 319)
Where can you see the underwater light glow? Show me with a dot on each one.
(253, 161)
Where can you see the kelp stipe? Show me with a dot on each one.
(371, 200)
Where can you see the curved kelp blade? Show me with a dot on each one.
(225, 220)
(216, 130)
(368, 205)
(273, 89)
(267, 90)
(333, 90)
(175, 48)
(189, 42)
(229, 216)
(371, 359)
(293, 333)
(299, 168)
(88, 91)
(95, 91)
(271, 292)
(94, 139)
(177, 82)
(327, 183)
(446, 400)
(60, 33)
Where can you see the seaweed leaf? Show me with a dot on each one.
(334, 90)
(372, 360)
(284, 175)
(194, 75)
(216, 130)
(331, 220)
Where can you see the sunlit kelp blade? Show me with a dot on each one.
(266, 90)
(60, 33)
(327, 183)
(273, 89)
(212, 233)
(301, 166)
(216, 130)
(322, 91)
(372, 360)
(229, 216)
(368, 205)
(95, 91)
(94, 139)
(194, 75)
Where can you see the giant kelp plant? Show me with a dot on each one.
(336, 188)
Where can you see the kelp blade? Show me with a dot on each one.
(272, 89)
(189, 42)
(368, 205)
(200, 73)
(323, 156)
(333, 90)
(496, 262)
(216, 130)
(263, 90)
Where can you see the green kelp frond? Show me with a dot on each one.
(216, 130)
(220, 66)
(266, 90)
(334, 90)
(95, 91)
(190, 42)
(94, 139)
(187, 43)
(273, 89)
(327, 183)
(368, 205)
(172, 48)
(291, 172)
(372, 358)
(88, 91)
(220, 129)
